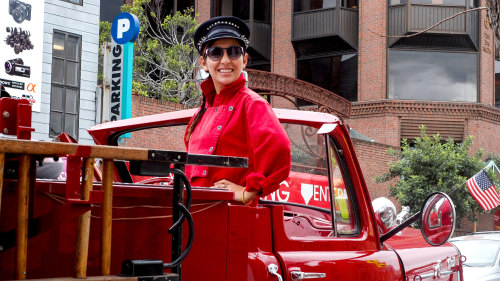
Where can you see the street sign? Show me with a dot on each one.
(125, 28)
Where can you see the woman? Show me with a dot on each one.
(232, 119)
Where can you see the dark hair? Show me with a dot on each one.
(196, 119)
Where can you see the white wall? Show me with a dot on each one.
(84, 21)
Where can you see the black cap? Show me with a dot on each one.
(221, 27)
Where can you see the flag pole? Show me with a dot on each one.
(458, 187)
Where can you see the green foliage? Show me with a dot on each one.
(165, 58)
(431, 164)
(104, 36)
(165, 55)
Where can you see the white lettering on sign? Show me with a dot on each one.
(321, 193)
(116, 75)
(306, 190)
(123, 26)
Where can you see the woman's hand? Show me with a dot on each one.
(238, 191)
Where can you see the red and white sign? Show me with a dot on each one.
(307, 189)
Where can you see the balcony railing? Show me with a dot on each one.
(260, 40)
(326, 22)
(410, 18)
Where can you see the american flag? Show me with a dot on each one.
(483, 190)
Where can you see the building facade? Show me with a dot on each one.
(381, 56)
(69, 69)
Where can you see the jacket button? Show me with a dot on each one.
(230, 108)
(205, 172)
(219, 127)
(211, 148)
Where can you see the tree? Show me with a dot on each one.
(430, 164)
(165, 55)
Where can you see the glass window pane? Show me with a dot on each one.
(72, 73)
(70, 125)
(72, 48)
(57, 70)
(164, 138)
(55, 123)
(432, 76)
(58, 45)
(497, 83)
(338, 74)
(71, 101)
(440, 2)
(397, 2)
(345, 219)
(307, 183)
(56, 99)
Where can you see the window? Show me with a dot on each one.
(441, 2)
(397, 2)
(433, 76)
(110, 9)
(497, 83)
(78, 2)
(338, 74)
(65, 91)
(308, 5)
(307, 193)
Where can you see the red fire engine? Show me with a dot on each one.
(140, 219)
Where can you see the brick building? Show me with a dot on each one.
(443, 78)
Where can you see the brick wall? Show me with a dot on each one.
(374, 161)
(202, 10)
(169, 138)
(382, 129)
(282, 53)
(486, 58)
(485, 134)
(372, 50)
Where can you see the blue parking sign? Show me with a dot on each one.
(125, 28)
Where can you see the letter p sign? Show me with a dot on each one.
(125, 28)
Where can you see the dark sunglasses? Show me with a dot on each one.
(216, 53)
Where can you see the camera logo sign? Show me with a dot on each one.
(125, 28)
(21, 30)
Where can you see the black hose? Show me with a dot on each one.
(188, 199)
(190, 238)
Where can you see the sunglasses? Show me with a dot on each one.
(216, 53)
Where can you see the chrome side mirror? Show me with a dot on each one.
(437, 218)
(385, 214)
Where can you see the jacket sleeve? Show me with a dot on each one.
(270, 148)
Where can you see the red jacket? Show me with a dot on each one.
(239, 122)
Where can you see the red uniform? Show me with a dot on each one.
(239, 122)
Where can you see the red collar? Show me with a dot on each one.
(208, 89)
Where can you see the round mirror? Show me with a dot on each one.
(385, 214)
(438, 218)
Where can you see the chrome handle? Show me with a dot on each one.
(273, 269)
(299, 275)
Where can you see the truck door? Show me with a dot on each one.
(322, 227)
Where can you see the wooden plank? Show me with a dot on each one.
(107, 205)
(82, 242)
(22, 217)
(57, 148)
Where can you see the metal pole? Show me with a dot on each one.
(22, 217)
(178, 197)
(107, 205)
